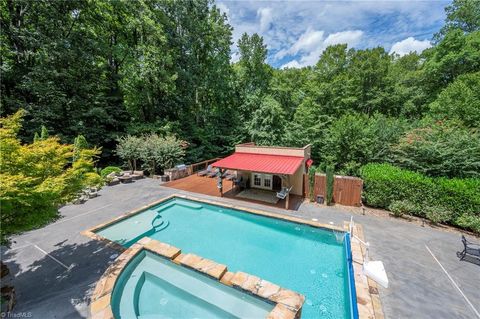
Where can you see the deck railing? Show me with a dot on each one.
(193, 168)
(177, 173)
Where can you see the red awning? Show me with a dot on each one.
(262, 163)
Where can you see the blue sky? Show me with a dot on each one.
(296, 32)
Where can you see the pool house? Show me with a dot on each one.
(266, 173)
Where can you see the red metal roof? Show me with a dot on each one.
(262, 163)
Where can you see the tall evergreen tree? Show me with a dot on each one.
(43, 133)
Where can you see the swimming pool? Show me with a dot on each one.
(306, 259)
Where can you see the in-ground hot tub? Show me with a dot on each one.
(153, 287)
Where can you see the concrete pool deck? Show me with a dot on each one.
(56, 268)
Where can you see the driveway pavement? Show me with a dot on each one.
(56, 268)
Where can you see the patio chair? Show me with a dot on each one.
(284, 192)
(240, 182)
(470, 249)
(228, 175)
(213, 173)
(205, 171)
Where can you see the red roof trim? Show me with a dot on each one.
(262, 163)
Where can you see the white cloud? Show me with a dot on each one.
(308, 41)
(223, 9)
(283, 23)
(409, 45)
(266, 18)
(291, 64)
(235, 56)
(311, 45)
(351, 37)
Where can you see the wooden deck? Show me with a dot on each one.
(208, 186)
(200, 184)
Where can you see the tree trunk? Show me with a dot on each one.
(152, 170)
(130, 165)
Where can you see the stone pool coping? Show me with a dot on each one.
(368, 299)
(288, 304)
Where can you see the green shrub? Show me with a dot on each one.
(438, 215)
(470, 222)
(329, 179)
(458, 195)
(402, 207)
(311, 183)
(109, 169)
(385, 184)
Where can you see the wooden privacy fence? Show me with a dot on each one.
(347, 190)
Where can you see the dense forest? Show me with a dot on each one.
(105, 69)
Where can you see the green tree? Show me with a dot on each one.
(44, 133)
(327, 83)
(345, 80)
(129, 148)
(38, 177)
(463, 15)
(60, 62)
(106, 68)
(440, 149)
(407, 93)
(161, 152)
(79, 144)
(286, 87)
(253, 76)
(356, 139)
(311, 183)
(460, 101)
(329, 181)
(456, 54)
(367, 82)
(148, 76)
(267, 124)
(254, 73)
(309, 126)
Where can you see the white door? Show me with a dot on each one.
(261, 181)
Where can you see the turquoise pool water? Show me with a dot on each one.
(305, 259)
(153, 287)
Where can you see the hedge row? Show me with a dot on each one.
(459, 199)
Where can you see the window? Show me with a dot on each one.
(257, 180)
(261, 181)
(267, 181)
